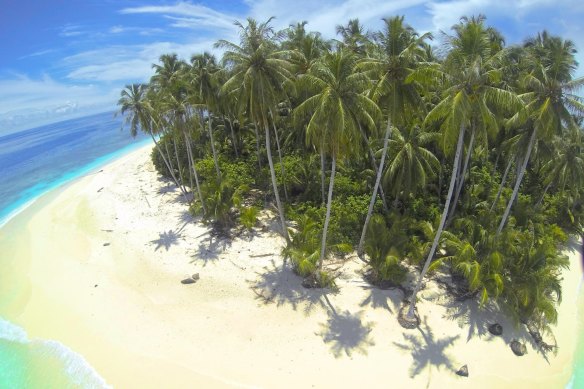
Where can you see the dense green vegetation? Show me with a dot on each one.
(466, 160)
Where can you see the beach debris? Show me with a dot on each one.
(95, 286)
(100, 189)
(106, 244)
(463, 371)
(191, 280)
(518, 348)
(496, 329)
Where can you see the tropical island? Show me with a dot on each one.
(326, 213)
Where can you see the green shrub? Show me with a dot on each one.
(385, 254)
(249, 216)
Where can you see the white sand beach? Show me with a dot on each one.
(97, 266)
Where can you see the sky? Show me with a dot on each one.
(65, 58)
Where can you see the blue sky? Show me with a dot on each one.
(65, 58)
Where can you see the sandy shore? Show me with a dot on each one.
(97, 266)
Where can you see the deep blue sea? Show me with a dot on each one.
(33, 162)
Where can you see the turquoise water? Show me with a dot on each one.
(32, 163)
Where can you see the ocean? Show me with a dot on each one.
(36, 161)
(32, 163)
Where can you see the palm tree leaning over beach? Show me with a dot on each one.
(138, 113)
(336, 110)
(548, 96)
(259, 77)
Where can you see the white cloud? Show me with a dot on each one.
(190, 15)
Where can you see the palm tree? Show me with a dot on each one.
(138, 113)
(259, 77)
(336, 110)
(412, 162)
(549, 102)
(203, 68)
(355, 38)
(171, 86)
(402, 50)
(469, 102)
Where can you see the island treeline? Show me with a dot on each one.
(463, 158)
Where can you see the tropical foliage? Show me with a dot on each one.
(469, 163)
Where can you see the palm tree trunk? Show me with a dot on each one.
(213, 146)
(374, 165)
(502, 185)
(257, 134)
(328, 216)
(459, 145)
(374, 195)
(518, 182)
(177, 160)
(168, 165)
(189, 157)
(233, 138)
(282, 170)
(194, 170)
(461, 177)
(322, 176)
(274, 183)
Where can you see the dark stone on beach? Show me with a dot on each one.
(106, 244)
(518, 348)
(463, 371)
(406, 322)
(95, 286)
(191, 280)
(496, 329)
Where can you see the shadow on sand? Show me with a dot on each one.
(345, 332)
(210, 249)
(166, 239)
(426, 350)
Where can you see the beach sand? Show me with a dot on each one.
(97, 266)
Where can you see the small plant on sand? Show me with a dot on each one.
(304, 252)
(385, 254)
(249, 216)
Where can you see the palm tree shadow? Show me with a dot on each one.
(426, 350)
(210, 249)
(378, 298)
(469, 313)
(278, 284)
(166, 239)
(346, 332)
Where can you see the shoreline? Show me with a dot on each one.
(247, 323)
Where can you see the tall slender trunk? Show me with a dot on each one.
(461, 177)
(194, 170)
(459, 145)
(374, 165)
(328, 215)
(233, 138)
(168, 165)
(518, 182)
(189, 157)
(177, 160)
(282, 170)
(274, 183)
(375, 187)
(257, 134)
(502, 185)
(215, 160)
(322, 177)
